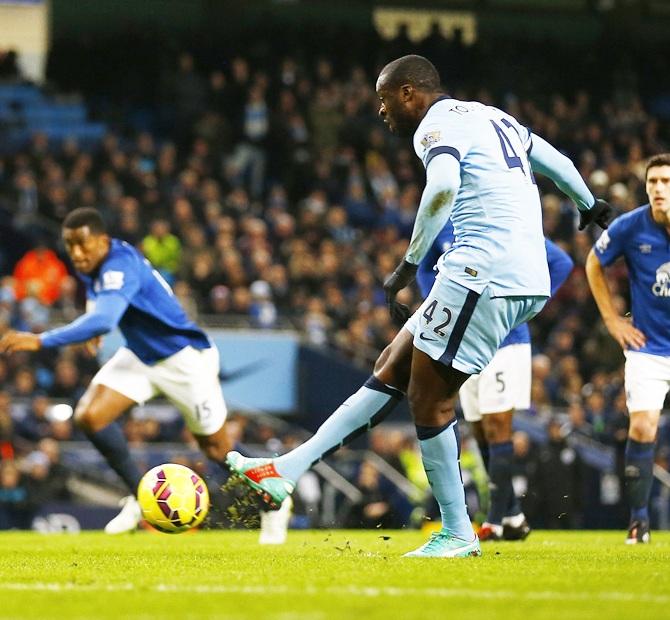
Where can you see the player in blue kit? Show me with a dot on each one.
(493, 278)
(165, 352)
(489, 399)
(642, 238)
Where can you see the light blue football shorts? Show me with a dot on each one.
(462, 328)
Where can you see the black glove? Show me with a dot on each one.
(600, 213)
(403, 276)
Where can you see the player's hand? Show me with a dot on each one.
(91, 347)
(403, 276)
(600, 213)
(14, 341)
(625, 333)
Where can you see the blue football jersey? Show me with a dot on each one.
(559, 263)
(154, 325)
(645, 246)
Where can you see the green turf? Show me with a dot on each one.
(330, 575)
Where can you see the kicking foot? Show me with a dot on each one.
(638, 533)
(128, 519)
(444, 545)
(262, 477)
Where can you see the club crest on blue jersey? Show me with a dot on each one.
(432, 137)
(661, 287)
(112, 280)
(603, 242)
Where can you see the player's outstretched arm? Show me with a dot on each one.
(104, 318)
(620, 328)
(547, 160)
(443, 178)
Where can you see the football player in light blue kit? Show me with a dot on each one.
(492, 279)
(642, 238)
(165, 352)
(489, 399)
(476, 157)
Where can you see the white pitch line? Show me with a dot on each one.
(362, 591)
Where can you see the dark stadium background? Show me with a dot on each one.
(250, 130)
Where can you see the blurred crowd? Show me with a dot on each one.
(276, 197)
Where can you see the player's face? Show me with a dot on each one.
(658, 190)
(396, 108)
(85, 248)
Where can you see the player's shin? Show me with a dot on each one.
(500, 481)
(639, 477)
(440, 452)
(111, 443)
(366, 408)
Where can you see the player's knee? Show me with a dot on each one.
(497, 427)
(643, 427)
(428, 411)
(85, 418)
(215, 446)
(392, 370)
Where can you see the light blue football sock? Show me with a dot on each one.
(360, 412)
(441, 451)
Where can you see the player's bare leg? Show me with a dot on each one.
(274, 479)
(96, 413)
(639, 472)
(216, 445)
(432, 392)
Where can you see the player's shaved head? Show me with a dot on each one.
(85, 216)
(414, 70)
(406, 88)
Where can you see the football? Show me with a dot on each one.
(173, 498)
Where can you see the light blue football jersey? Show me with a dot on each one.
(497, 216)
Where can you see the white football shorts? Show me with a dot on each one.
(503, 385)
(647, 381)
(189, 379)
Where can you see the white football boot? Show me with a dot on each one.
(128, 519)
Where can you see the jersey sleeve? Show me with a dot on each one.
(435, 138)
(611, 244)
(120, 274)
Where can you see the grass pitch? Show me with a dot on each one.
(321, 575)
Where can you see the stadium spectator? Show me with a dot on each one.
(39, 273)
(163, 249)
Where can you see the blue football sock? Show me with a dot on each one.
(485, 453)
(360, 412)
(500, 480)
(111, 443)
(441, 451)
(639, 477)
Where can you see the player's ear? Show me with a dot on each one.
(406, 92)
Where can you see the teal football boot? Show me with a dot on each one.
(443, 545)
(262, 477)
